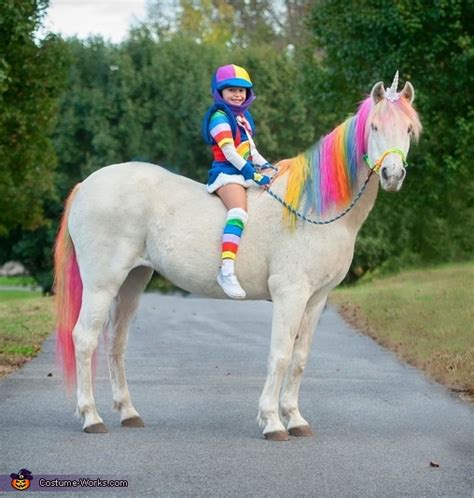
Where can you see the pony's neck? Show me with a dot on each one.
(323, 180)
(337, 163)
(358, 214)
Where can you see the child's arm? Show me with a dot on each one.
(231, 154)
(260, 161)
(221, 132)
(257, 158)
(247, 169)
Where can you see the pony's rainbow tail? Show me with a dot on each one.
(68, 291)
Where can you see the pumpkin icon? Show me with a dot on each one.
(22, 480)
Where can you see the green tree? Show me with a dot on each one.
(145, 100)
(32, 72)
(88, 112)
(237, 23)
(431, 44)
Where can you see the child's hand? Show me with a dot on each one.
(261, 180)
(248, 171)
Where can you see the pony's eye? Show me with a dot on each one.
(373, 127)
(410, 129)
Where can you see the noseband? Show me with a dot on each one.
(377, 166)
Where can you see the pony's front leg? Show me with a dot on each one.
(92, 318)
(297, 425)
(289, 304)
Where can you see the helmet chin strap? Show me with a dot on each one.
(377, 166)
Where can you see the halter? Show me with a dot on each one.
(374, 168)
(377, 166)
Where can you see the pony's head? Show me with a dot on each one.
(327, 176)
(391, 123)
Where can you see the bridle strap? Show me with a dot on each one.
(376, 167)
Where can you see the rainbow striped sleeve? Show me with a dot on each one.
(220, 130)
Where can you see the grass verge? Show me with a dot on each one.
(21, 281)
(425, 316)
(25, 321)
(14, 295)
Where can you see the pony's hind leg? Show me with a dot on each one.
(92, 318)
(123, 311)
(297, 425)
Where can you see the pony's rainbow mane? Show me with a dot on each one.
(326, 175)
(68, 293)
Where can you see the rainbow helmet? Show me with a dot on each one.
(230, 76)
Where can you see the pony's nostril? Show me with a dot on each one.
(383, 172)
(404, 172)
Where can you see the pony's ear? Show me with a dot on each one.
(378, 92)
(408, 92)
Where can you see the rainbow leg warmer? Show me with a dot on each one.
(235, 223)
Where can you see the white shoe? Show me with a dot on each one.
(230, 285)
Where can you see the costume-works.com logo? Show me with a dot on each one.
(22, 480)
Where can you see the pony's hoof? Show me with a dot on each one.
(301, 431)
(96, 429)
(277, 436)
(133, 422)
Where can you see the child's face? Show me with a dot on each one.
(234, 95)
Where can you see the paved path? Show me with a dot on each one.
(196, 368)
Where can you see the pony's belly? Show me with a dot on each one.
(202, 279)
(190, 257)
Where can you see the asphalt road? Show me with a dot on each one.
(195, 370)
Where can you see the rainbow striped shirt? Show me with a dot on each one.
(221, 132)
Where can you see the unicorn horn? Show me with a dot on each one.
(394, 86)
(391, 94)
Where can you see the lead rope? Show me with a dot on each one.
(373, 168)
(291, 208)
(320, 222)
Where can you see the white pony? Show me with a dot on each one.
(126, 220)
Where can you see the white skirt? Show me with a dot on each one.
(225, 179)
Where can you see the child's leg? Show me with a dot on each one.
(233, 195)
(235, 199)
(235, 223)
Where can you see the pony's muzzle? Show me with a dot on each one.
(392, 177)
